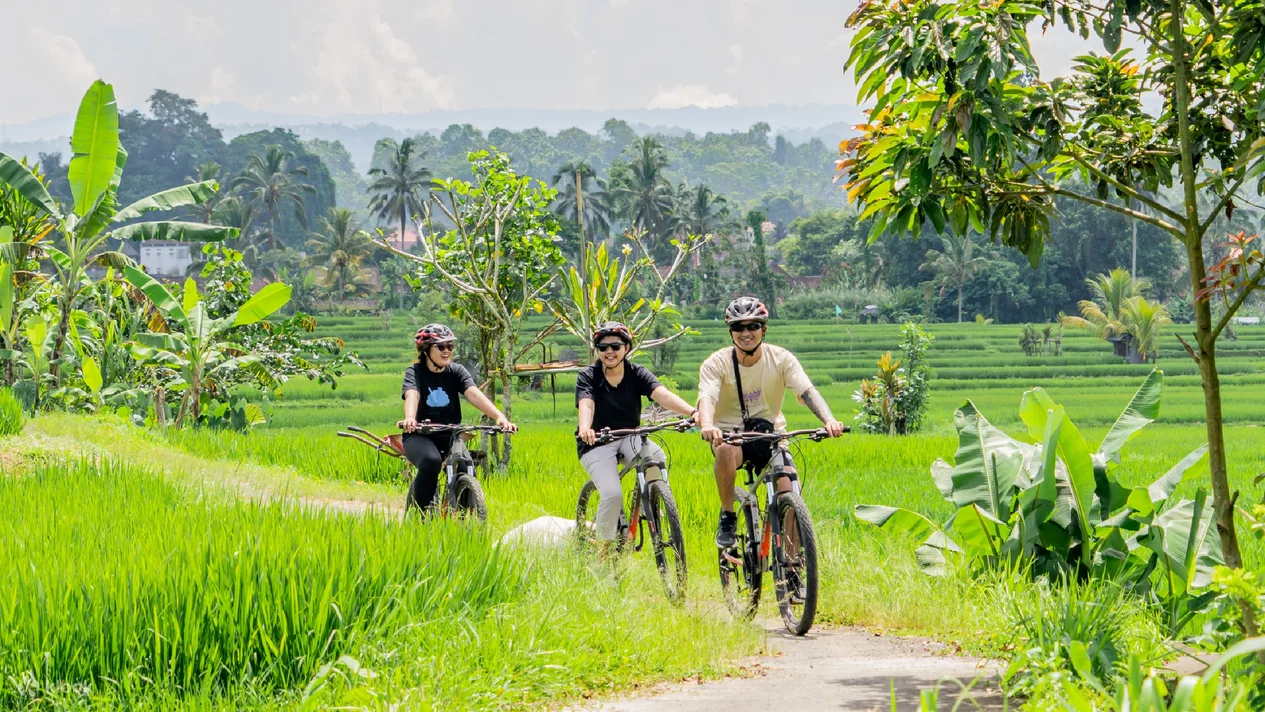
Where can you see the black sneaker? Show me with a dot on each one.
(727, 532)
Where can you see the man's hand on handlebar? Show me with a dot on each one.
(835, 429)
(505, 424)
(712, 434)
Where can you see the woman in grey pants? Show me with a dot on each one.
(608, 395)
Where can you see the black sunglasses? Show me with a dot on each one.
(610, 346)
(746, 326)
(445, 347)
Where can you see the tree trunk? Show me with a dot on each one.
(403, 222)
(507, 393)
(63, 326)
(959, 302)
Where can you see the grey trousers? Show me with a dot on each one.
(603, 465)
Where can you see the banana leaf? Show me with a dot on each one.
(21, 179)
(95, 143)
(264, 303)
(108, 204)
(193, 194)
(986, 464)
(176, 231)
(1185, 538)
(1142, 410)
(898, 518)
(157, 294)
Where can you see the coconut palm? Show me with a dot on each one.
(1143, 319)
(241, 214)
(642, 190)
(1104, 313)
(271, 181)
(339, 248)
(581, 175)
(400, 189)
(209, 170)
(954, 264)
(705, 210)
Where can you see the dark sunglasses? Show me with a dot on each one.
(615, 346)
(746, 326)
(445, 347)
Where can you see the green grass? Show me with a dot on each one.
(154, 590)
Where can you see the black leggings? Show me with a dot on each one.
(427, 453)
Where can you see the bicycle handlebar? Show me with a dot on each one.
(814, 434)
(425, 426)
(606, 435)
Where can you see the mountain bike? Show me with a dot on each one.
(651, 509)
(461, 493)
(782, 542)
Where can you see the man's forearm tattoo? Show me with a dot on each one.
(817, 405)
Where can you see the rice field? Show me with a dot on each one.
(192, 597)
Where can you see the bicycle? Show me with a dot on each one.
(762, 543)
(462, 494)
(660, 518)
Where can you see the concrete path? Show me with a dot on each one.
(829, 669)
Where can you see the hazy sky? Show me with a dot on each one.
(323, 57)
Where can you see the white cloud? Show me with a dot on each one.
(223, 84)
(683, 95)
(54, 75)
(362, 66)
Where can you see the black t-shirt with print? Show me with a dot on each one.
(440, 391)
(614, 407)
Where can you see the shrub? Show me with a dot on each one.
(1055, 508)
(10, 413)
(895, 402)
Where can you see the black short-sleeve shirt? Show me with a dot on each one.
(614, 407)
(440, 391)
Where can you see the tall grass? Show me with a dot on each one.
(121, 586)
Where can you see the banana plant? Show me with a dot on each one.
(95, 172)
(197, 350)
(1054, 505)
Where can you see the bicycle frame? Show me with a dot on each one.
(769, 527)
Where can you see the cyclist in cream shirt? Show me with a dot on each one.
(765, 372)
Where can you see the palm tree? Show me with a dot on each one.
(705, 210)
(209, 170)
(1104, 312)
(270, 181)
(1143, 320)
(397, 189)
(579, 176)
(339, 248)
(232, 211)
(642, 190)
(954, 264)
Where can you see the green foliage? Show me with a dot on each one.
(11, 417)
(895, 402)
(1056, 508)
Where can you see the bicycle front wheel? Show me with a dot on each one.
(795, 564)
(467, 498)
(665, 535)
(741, 574)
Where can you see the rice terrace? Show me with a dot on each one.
(393, 377)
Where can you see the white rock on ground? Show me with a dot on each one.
(549, 532)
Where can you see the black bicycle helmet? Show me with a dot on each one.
(613, 328)
(434, 334)
(746, 309)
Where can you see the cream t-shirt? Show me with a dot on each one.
(763, 385)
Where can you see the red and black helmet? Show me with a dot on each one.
(434, 334)
(613, 328)
(746, 309)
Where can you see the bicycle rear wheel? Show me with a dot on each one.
(669, 545)
(467, 498)
(795, 564)
(740, 574)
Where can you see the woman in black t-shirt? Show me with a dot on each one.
(608, 395)
(431, 388)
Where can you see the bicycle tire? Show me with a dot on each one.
(669, 555)
(741, 584)
(467, 498)
(800, 577)
(585, 520)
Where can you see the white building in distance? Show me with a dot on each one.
(164, 258)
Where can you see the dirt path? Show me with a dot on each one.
(829, 669)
